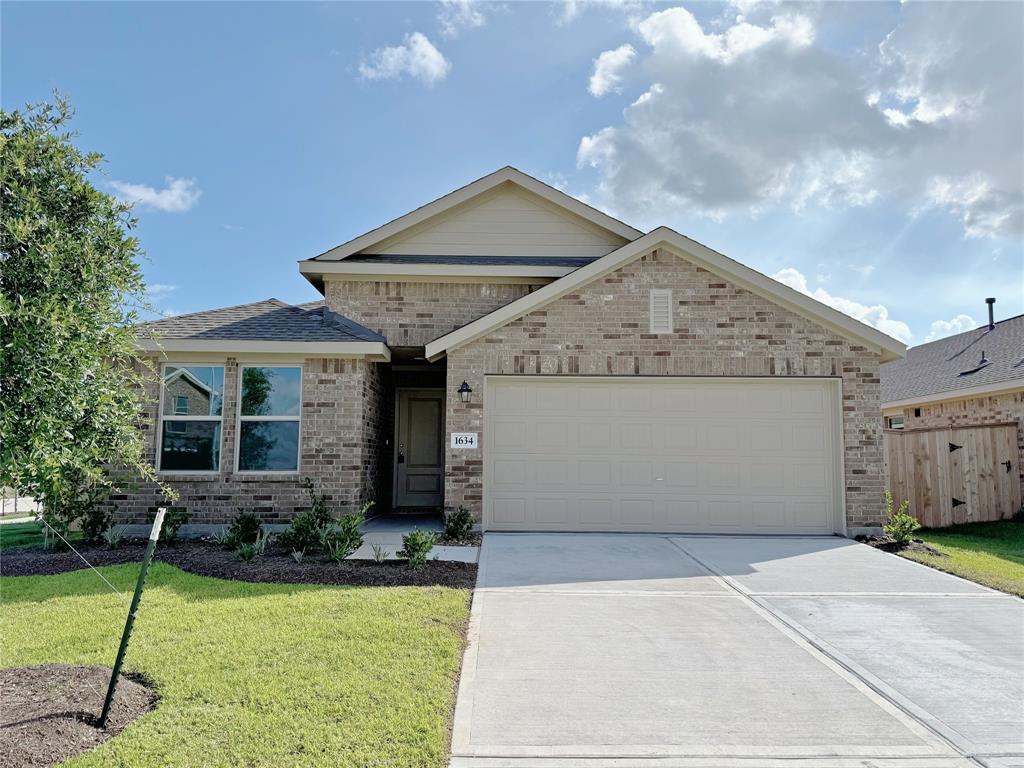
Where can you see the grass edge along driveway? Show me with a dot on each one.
(987, 553)
(255, 674)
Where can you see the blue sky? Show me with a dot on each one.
(870, 154)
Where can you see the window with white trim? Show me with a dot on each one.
(190, 418)
(269, 418)
(894, 422)
(661, 310)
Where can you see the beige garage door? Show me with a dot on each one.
(700, 455)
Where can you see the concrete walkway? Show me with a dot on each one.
(387, 531)
(637, 650)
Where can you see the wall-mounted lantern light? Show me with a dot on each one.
(465, 392)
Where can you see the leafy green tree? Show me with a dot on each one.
(71, 377)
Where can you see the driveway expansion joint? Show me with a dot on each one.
(939, 730)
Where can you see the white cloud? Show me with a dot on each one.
(608, 69)
(417, 58)
(177, 196)
(943, 328)
(158, 291)
(157, 294)
(455, 16)
(749, 112)
(877, 315)
(572, 8)
(864, 270)
(984, 209)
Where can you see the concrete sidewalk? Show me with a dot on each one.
(634, 650)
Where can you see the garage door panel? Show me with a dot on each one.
(679, 438)
(595, 511)
(508, 435)
(551, 435)
(551, 400)
(593, 435)
(510, 472)
(550, 474)
(508, 511)
(687, 454)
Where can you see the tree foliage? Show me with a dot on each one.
(71, 377)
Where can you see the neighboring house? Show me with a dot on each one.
(975, 377)
(511, 349)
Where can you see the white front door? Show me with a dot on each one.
(695, 455)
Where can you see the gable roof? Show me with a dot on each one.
(506, 175)
(663, 237)
(262, 326)
(952, 365)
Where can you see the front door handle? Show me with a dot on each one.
(401, 453)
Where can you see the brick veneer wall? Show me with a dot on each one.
(987, 409)
(336, 451)
(378, 426)
(720, 330)
(412, 313)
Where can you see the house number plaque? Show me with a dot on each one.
(464, 440)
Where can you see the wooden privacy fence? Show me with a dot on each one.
(954, 475)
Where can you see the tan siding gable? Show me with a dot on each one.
(507, 221)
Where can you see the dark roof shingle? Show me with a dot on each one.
(270, 320)
(950, 364)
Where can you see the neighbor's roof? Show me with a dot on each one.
(953, 365)
(664, 237)
(270, 325)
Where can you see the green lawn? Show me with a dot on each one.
(988, 553)
(26, 534)
(255, 674)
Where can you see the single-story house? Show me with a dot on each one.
(511, 349)
(971, 378)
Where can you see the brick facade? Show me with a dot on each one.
(339, 449)
(720, 330)
(409, 314)
(984, 409)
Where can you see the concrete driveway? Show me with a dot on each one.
(643, 650)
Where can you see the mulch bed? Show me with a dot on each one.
(887, 543)
(475, 539)
(205, 558)
(48, 713)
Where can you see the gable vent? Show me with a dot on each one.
(661, 310)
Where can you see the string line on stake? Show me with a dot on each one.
(117, 591)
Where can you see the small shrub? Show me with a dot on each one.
(416, 547)
(245, 528)
(341, 539)
(307, 526)
(113, 536)
(379, 553)
(458, 525)
(174, 518)
(246, 552)
(224, 538)
(899, 525)
(298, 554)
(95, 521)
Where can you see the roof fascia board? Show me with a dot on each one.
(327, 270)
(887, 347)
(468, 192)
(369, 349)
(949, 395)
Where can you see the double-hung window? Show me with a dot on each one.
(190, 418)
(269, 418)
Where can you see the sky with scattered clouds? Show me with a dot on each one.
(870, 155)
